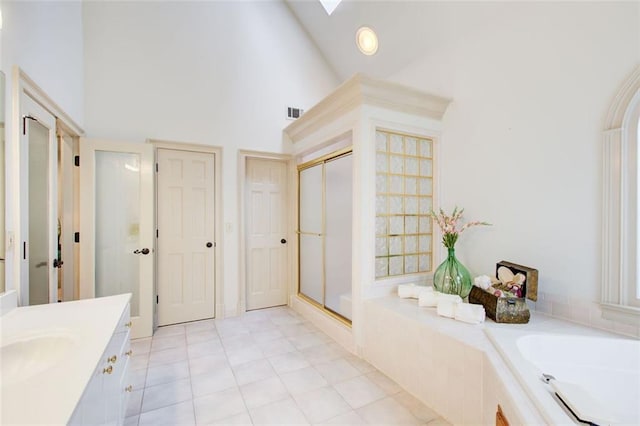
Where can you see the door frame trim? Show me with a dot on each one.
(22, 83)
(218, 284)
(243, 157)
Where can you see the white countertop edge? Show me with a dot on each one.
(58, 390)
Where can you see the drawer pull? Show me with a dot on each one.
(107, 370)
(112, 359)
(129, 324)
(129, 388)
(129, 352)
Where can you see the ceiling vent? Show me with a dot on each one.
(294, 113)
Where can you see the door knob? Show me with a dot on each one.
(283, 241)
(141, 251)
(209, 244)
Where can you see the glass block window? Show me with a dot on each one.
(404, 196)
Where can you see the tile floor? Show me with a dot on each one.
(266, 367)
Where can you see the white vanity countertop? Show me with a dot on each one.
(50, 396)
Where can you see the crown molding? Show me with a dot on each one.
(362, 90)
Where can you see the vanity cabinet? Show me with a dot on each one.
(104, 400)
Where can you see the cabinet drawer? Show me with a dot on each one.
(124, 324)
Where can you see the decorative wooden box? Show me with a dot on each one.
(512, 310)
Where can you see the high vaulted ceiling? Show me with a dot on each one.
(405, 29)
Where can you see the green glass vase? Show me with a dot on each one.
(452, 277)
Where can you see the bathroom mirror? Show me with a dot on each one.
(2, 186)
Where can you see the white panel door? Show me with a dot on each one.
(266, 230)
(116, 222)
(38, 204)
(186, 240)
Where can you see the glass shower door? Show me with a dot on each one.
(311, 239)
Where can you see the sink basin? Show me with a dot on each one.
(25, 356)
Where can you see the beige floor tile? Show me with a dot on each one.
(166, 394)
(215, 381)
(303, 380)
(359, 391)
(288, 362)
(218, 406)
(166, 373)
(284, 412)
(350, 418)
(387, 411)
(385, 383)
(321, 404)
(178, 414)
(337, 370)
(264, 392)
(253, 371)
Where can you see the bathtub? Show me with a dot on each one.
(606, 366)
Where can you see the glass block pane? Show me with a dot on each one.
(382, 246)
(424, 243)
(396, 184)
(395, 265)
(424, 145)
(411, 205)
(410, 225)
(396, 144)
(381, 204)
(426, 186)
(381, 184)
(382, 163)
(397, 164)
(382, 267)
(396, 225)
(395, 245)
(410, 264)
(395, 205)
(424, 263)
(425, 205)
(381, 141)
(424, 225)
(411, 166)
(410, 245)
(410, 146)
(410, 186)
(426, 168)
(381, 226)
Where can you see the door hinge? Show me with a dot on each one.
(24, 122)
(157, 299)
(76, 161)
(156, 233)
(156, 167)
(76, 237)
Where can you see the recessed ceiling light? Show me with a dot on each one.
(367, 41)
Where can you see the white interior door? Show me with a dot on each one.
(186, 240)
(38, 204)
(116, 217)
(266, 230)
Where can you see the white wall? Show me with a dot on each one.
(214, 73)
(45, 40)
(521, 147)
